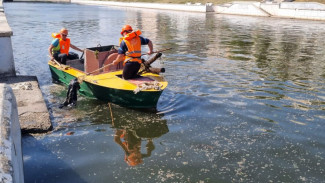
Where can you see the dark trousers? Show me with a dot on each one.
(131, 70)
(62, 58)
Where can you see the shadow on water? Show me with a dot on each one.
(38, 156)
(127, 139)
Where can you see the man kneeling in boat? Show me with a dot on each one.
(130, 51)
(59, 48)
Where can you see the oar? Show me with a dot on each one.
(157, 51)
(151, 60)
(58, 63)
(82, 55)
(110, 109)
(147, 64)
(54, 60)
(82, 77)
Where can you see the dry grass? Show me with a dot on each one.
(202, 1)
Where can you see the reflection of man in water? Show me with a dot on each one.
(132, 146)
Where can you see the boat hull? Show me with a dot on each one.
(123, 97)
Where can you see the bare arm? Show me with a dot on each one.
(50, 51)
(150, 45)
(120, 57)
(76, 48)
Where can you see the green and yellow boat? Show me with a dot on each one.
(100, 79)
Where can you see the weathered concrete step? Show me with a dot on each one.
(33, 113)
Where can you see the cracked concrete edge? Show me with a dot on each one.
(33, 113)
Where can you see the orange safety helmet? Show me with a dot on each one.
(126, 28)
(64, 31)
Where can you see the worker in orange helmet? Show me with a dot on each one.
(130, 51)
(59, 48)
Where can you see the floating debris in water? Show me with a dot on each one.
(70, 133)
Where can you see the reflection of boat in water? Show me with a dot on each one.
(106, 84)
(130, 135)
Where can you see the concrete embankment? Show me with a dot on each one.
(43, 1)
(7, 66)
(178, 7)
(297, 10)
(22, 108)
(11, 162)
(33, 113)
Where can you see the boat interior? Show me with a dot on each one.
(101, 56)
(96, 58)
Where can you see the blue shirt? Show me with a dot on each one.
(123, 48)
(55, 42)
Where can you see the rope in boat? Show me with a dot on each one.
(147, 86)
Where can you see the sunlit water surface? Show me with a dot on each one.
(245, 100)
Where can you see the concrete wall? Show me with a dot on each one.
(298, 10)
(11, 162)
(241, 8)
(43, 1)
(7, 65)
(302, 5)
(164, 6)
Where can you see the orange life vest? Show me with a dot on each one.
(133, 42)
(56, 35)
(64, 45)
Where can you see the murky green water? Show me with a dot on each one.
(245, 101)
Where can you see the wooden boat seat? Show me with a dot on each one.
(77, 64)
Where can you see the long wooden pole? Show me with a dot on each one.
(110, 109)
(58, 63)
(158, 51)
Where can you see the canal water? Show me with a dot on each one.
(245, 100)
